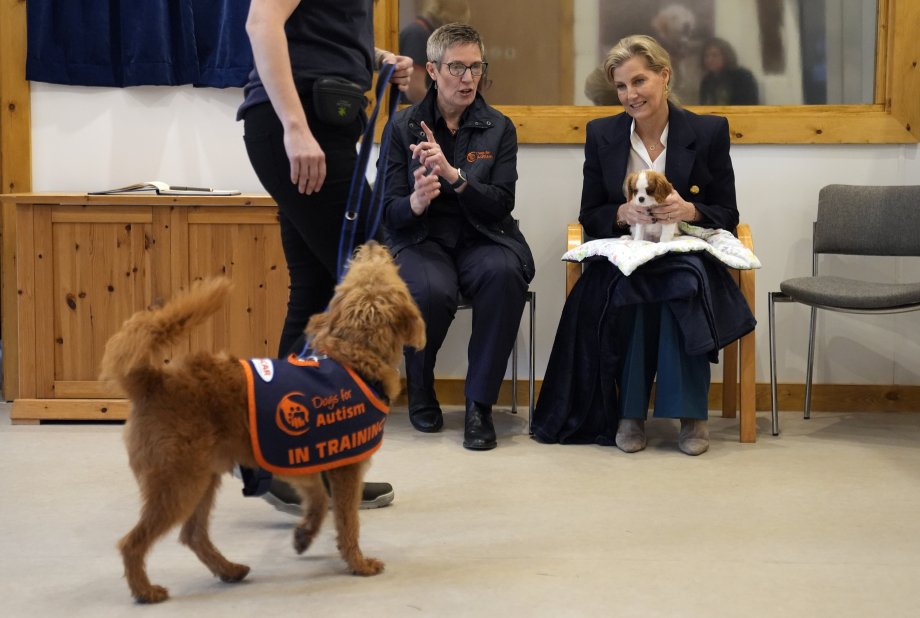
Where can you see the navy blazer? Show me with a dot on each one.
(698, 165)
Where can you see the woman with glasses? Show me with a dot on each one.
(452, 168)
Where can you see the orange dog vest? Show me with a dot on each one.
(311, 414)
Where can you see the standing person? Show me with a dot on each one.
(671, 316)
(413, 39)
(725, 82)
(304, 158)
(447, 216)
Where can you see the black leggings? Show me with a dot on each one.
(310, 224)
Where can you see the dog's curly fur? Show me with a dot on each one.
(188, 422)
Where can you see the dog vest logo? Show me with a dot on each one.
(291, 416)
(474, 156)
(312, 414)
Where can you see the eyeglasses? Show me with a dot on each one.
(457, 69)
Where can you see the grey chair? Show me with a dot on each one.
(852, 220)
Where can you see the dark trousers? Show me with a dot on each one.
(657, 346)
(487, 274)
(310, 224)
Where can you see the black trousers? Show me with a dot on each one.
(310, 224)
(487, 274)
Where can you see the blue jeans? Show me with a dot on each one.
(657, 346)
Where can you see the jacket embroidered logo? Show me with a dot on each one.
(472, 157)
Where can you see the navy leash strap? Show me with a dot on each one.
(358, 183)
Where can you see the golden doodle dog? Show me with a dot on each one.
(649, 188)
(191, 420)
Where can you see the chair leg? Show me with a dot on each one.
(811, 361)
(771, 326)
(532, 361)
(730, 380)
(747, 422)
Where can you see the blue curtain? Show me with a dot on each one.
(138, 42)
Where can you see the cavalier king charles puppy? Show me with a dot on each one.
(649, 188)
(193, 419)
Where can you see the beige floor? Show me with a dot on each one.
(821, 521)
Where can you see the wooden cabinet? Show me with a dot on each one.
(83, 264)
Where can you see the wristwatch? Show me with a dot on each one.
(461, 178)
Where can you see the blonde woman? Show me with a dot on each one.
(667, 321)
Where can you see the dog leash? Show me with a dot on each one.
(358, 183)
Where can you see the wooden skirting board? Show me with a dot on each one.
(826, 397)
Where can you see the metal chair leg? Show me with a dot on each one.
(771, 321)
(811, 361)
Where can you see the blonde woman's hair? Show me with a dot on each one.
(440, 12)
(642, 46)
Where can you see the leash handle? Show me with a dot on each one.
(356, 188)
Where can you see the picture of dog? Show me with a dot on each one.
(191, 420)
(649, 188)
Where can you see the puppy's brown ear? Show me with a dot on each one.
(663, 188)
(629, 185)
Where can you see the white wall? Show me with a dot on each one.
(86, 139)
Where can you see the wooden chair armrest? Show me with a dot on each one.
(746, 277)
(744, 235)
(574, 238)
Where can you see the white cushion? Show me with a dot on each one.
(628, 254)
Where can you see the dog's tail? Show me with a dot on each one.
(141, 340)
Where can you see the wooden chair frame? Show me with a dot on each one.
(737, 387)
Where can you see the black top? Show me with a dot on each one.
(326, 38)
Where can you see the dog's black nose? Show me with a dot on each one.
(641, 199)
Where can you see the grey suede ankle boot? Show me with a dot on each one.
(694, 436)
(631, 435)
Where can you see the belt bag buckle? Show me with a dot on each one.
(337, 101)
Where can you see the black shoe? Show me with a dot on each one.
(424, 411)
(376, 495)
(478, 430)
(283, 497)
(373, 495)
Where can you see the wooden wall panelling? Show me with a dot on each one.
(15, 171)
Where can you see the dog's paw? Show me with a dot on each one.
(236, 573)
(367, 567)
(303, 538)
(153, 594)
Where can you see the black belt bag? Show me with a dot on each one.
(337, 101)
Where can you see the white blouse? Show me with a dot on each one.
(639, 158)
